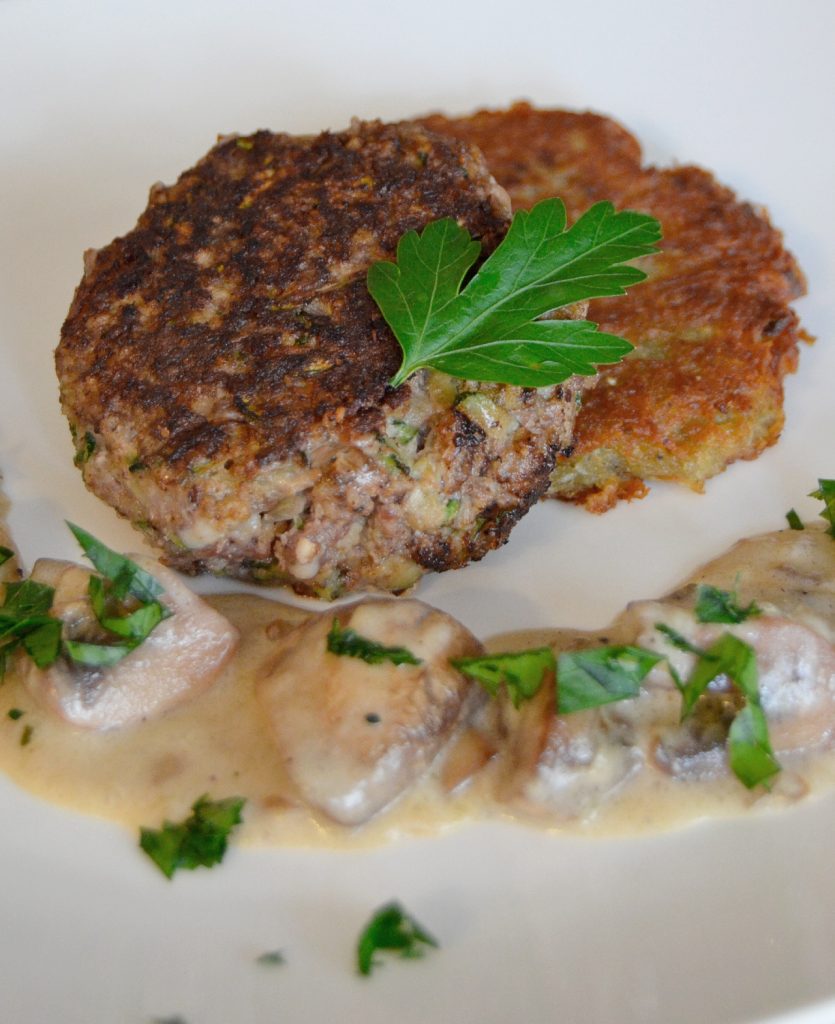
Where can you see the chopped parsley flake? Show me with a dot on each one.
(601, 675)
(678, 640)
(714, 605)
(391, 930)
(25, 623)
(124, 600)
(750, 754)
(349, 643)
(199, 841)
(794, 520)
(521, 672)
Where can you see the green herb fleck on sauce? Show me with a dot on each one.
(391, 930)
(715, 605)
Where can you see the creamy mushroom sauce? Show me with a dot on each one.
(220, 744)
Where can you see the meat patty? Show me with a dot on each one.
(713, 332)
(224, 371)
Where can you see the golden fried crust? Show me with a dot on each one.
(713, 331)
(235, 315)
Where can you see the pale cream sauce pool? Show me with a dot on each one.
(218, 744)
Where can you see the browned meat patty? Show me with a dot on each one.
(224, 371)
(713, 330)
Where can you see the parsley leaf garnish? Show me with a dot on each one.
(490, 330)
(391, 929)
(522, 672)
(199, 841)
(5, 554)
(715, 605)
(96, 655)
(601, 675)
(349, 643)
(678, 639)
(749, 750)
(826, 494)
(27, 599)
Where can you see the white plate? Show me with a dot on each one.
(723, 922)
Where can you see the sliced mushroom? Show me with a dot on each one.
(355, 736)
(180, 659)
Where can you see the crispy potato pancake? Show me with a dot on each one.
(713, 332)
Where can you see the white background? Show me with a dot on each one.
(723, 922)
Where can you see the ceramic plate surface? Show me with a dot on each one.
(726, 922)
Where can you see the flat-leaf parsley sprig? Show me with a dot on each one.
(491, 330)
